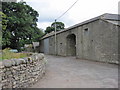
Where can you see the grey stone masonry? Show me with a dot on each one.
(23, 72)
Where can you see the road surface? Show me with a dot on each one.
(69, 72)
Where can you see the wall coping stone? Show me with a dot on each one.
(22, 72)
(15, 62)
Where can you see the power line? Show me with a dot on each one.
(67, 10)
(55, 25)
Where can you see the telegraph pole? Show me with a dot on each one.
(55, 25)
(55, 40)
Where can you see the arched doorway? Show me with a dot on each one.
(71, 45)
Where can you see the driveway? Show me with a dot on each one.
(69, 72)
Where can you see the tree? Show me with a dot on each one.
(59, 26)
(3, 21)
(49, 29)
(21, 27)
(3, 24)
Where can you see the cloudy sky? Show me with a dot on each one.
(83, 10)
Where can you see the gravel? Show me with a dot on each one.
(69, 72)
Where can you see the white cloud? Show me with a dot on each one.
(43, 24)
(49, 10)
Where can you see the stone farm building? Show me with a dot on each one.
(95, 39)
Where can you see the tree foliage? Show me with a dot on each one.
(3, 21)
(3, 24)
(59, 26)
(49, 29)
(21, 26)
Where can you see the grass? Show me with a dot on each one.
(0, 56)
(6, 54)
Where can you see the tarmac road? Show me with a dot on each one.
(69, 72)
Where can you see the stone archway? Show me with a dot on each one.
(71, 45)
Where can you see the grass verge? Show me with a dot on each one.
(7, 54)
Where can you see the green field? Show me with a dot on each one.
(6, 54)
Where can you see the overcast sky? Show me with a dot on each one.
(83, 10)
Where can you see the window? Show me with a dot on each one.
(86, 29)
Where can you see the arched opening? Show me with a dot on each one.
(71, 45)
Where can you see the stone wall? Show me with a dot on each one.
(95, 41)
(23, 72)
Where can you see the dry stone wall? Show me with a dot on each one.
(23, 72)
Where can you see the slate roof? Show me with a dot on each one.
(114, 22)
(108, 16)
(111, 18)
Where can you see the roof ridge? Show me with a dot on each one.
(105, 16)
